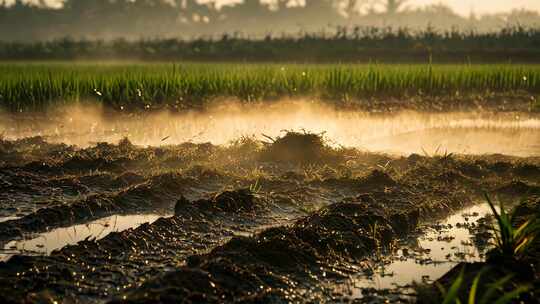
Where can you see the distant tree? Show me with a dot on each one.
(351, 7)
(24, 20)
(393, 6)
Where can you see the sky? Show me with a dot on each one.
(463, 7)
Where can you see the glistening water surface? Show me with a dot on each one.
(440, 247)
(398, 133)
(45, 243)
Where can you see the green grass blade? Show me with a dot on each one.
(474, 287)
(493, 288)
(509, 296)
(452, 294)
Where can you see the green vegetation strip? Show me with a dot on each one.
(25, 86)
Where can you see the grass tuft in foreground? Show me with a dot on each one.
(489, 295)
(511, 239)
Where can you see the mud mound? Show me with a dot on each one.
(350, 229)
(97, 181)
(375, 180)
(127, 179)
(517, 189)
(527, 170)
(299, 148)
(204, 173)
(280, 259)
(21, 151)
(229, 201)
(528, 208)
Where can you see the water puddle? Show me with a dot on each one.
(45, 243)
(442, 247)
(8, 218)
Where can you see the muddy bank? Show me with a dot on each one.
(291, 263)
(297, 263)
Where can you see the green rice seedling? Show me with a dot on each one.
(535, 104)
(27, 86)
(452, 295)
(255, 187)
(512, 242)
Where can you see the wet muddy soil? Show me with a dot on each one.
(424, 256)
(249, 221)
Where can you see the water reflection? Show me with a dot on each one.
(47, 242)
(440, 249)
(8, 218)
(400, 133)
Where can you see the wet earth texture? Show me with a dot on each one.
(291, 220)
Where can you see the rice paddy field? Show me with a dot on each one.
(134, 182)
(28, 86)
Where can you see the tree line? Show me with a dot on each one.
(189, 19)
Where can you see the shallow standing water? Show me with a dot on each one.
(399, 133)
(437, 251)
(45, 243)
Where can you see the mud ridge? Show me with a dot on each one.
(95, 268)
(290, 263)
(159, 192)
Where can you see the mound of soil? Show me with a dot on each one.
(299, 148)
(518, 188)
(292, 262)
(229, 201)
(268, 266)
(94, 268)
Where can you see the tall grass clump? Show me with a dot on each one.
(512, 239)
(491, 293)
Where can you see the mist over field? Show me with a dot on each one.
(105, 19)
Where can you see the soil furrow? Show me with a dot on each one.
(98, 269)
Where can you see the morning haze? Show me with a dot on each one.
(127, 19)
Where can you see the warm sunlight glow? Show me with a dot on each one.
(463, 7)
